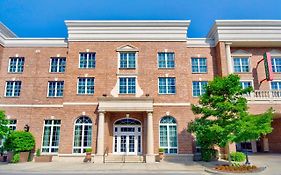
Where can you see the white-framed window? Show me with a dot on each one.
(166, 85)
(168, 135)
(16, 64)
(127, 85)
(241, 64)
(199, 65)
(276, 64)
(51, 136)
(57, 64)
(12, 124)
(127, 60)
(87, 60)
(13, 88)
(198, 88)
(82, 134)
(275, 85)
(86, 85)
(166, 60)
(55, 88)
(246, 84)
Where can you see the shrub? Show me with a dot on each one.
(38, 153)
(237, 156)
(15, 158)
(161, 150)
(88, 150)
(20, 141)
(208, 154)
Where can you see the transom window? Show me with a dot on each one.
(198, 88)
(276, 85)
(57, 64)
(166, 85)
(241, 64)
(199, 65)
(12, 125)
(276, 64)
(166, 60)
(13, 88)
(246, 84)
(86, 85)
(168, 135)
(55, 89)
(51, 136)
(127, 60)
(82, 134)
(87, 60)
(16, 64)
(127, 85)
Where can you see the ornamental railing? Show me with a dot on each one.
(264, 95)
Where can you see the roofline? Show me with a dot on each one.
(6, 31)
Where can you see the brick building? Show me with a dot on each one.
(125, 87)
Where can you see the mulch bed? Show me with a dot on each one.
(236, 168)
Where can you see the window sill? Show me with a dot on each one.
(167, 94)
(164, 68)
(85, 94)
(54, 97)
(15, 72)
(121, 68)
(56, 72)
(86, 67)
(242, 72)
(11, 96)
(199, 72)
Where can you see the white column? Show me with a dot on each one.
(150, 156)
(254, 146)
(228, 58)
(100, 141)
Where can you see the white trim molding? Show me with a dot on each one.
(35, 42)
(32, 105)
(200, 42)
(127, 30)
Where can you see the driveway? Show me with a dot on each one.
(271, 161)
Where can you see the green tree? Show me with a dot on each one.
(4, 129)
(223, 116)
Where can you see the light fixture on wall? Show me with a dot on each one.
(127, 115)
(26, 128)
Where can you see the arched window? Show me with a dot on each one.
(82, 134)
(168, 135)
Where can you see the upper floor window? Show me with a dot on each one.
(86, 85)
(87, 60)
(167, 85)
(127, 85)
(16, 64)
(166, 60)
(241, 64)
(13, 88)
(198, 88)
(276, 85)
(55, 89)
(127, 60)
(276, 64)
(246, 84)
(199, 65)
(12, 125)
(57, 64)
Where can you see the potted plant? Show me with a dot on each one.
(161, 153)
(42, 158)
(88, 157)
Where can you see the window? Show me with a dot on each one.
(276, 64)
(198, 88)
(167, 85)
(12, 125)
(166, 60)
(57, 64)
(13, 88)
(51, 136)
(55, 89)
(276, 85)
(127, 60)
(127, 85)
(241, 64)
(168, 135)
(87, 60)
(86, 85)
(246, 84)
(199, 65)
(82, 134)
(16, 64)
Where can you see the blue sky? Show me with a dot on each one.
(45, 18)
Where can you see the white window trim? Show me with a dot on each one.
(168, 136)
(86, 87)
(12, 125)
(166, 60)
(274, 63)
(56, 88)
(87, 65)
(252, 82)
(198, 65)
(127, 87)
(270, 86)
(17, 64)
(127, 60)
(13, 89)
(58, 63)
(240, 64)
(166, 84)
(51, 136)
(82, 140)
(200, 87)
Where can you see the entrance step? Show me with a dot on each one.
(123, 159)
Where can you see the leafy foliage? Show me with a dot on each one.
(88, 150)
(20, 141)
(224, 117)
(237, 156)
(4, 129)
(38, 153)
(209, 154)
(15, 158)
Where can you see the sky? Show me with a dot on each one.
(45, 18)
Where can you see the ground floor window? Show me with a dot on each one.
(51, 136)
(82, 134)
(168, 135)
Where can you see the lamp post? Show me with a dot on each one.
(247, 159)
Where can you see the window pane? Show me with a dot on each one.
(132, 60)
(170, 60)
(62, 63)
(123, 60)
(82, 134)
(163, 136)
(92, 60)
(276, 64)
(83, 60)
(195, 89)
(82, 86)
(161, 60)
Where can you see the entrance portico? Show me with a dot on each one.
(126, 131)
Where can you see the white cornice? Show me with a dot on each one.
(127, 30)
(6, 32)
(200, 42)
(247, 32)
(35, 42)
